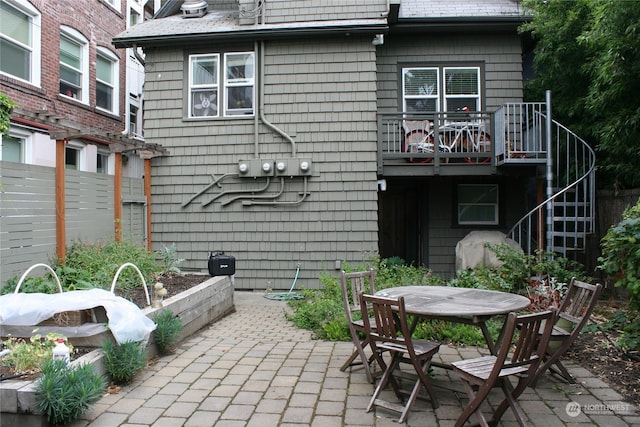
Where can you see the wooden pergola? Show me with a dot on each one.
(62, 130)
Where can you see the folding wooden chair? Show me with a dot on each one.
(391, 333)
(574, 312)
(352, 285)
(521, 351)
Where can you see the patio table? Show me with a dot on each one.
(459, 305)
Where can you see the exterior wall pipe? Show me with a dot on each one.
(261, 96)
(252, 196)
(549, 174)
(275, 202)
(224, 193)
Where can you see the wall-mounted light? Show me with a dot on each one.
(382, 184)
(378, 40)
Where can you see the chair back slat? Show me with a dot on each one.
(578, 303)
(353, 284)
(529, 346)
(391, 320)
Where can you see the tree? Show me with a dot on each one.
(588, 53)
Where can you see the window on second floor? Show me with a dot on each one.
(106, 81)
(20, 40)
(435, 89)
(234, 97)
(74, 65)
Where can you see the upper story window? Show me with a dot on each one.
(235, 97)
(20, 40)
(74, 65)
(106, 81)
(435, 89)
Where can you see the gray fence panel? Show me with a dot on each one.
(28, 213)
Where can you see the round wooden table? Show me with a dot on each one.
(460, 305)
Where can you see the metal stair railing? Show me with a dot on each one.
(561, 222)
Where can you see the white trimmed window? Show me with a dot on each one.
(102, 163)
(74, 65)
(478, 204)
(13, 149)
(435, 89)
(106, 81)
(239, 83)
(20, 25)
(236, 95)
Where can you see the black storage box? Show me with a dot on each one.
(221, 264)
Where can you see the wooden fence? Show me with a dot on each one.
(28, 213)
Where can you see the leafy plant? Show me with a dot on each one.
(620, 258)
(65, 393)
(6, 107)
(34, 284)
(28, 356)
(170, 260)
(123, 361)
(168, 329)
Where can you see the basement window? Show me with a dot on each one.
(478, 204)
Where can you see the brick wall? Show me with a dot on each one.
(98, 22)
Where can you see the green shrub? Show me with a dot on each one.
(168, 328)
(64, 393)
(28, 356)
(620, 259)
(123, 361)
(32, 284)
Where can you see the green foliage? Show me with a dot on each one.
(457, 333)
(33, 284)
(170, 260)
(65, 393)
(168, 328)
(516, 267)
(96, 264)
(124, 361)
(587, 54)
(620, 258)
(28, 356)
(6, 107)
(322, 310)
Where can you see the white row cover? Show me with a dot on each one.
(126, 321)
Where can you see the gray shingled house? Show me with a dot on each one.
(318, 132)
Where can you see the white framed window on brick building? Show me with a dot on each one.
(74, 65)
(20, 25)
(13, 149)
(478, 204)
(106, 80)
(221, 83)
(431, 89)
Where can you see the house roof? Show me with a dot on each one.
(434, 9)
(224, 25)
(169, 27)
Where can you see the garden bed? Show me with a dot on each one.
(197, 306)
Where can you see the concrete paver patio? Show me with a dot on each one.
(254, 368)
